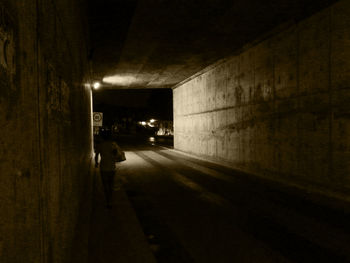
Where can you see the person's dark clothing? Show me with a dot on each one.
(107, 167)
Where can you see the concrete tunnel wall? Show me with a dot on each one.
(45, 134)
(280, 108)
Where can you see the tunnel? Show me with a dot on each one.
(233, 117)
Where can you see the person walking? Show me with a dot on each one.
(106, 148)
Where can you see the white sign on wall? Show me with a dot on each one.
(97, 118)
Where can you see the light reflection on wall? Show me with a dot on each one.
(121, 80)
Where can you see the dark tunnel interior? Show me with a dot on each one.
(178, 131)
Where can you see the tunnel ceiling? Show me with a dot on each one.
(159, 43)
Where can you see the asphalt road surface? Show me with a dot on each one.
(195, 211)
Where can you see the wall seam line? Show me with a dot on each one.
(330, 98)
(40, 184)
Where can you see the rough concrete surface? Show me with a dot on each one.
(280, 108)
(45, 135)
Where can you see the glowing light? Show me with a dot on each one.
(120, 80)
(151, 139)
(152, 121)
(96, 85)
(143, 123)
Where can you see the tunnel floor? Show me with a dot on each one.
(175, 208)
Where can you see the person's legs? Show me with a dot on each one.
(110, 184)
(107, 181)
(117, 183)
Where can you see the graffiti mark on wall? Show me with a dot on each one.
(65, 107)
(58, 93)
(9, 94)
(7, 44)
(53, 90)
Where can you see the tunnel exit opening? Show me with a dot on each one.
(141, 115)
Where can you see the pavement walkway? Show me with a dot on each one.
(116, 234)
